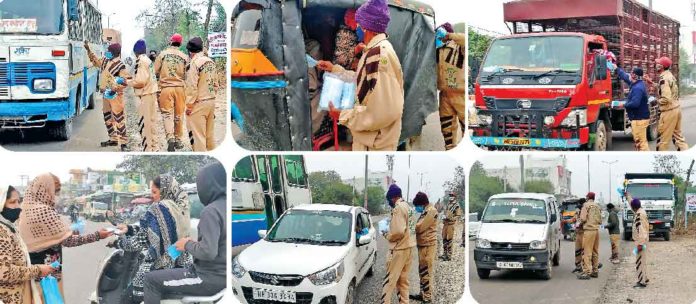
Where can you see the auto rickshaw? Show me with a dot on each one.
(568, 209)
(270, 79)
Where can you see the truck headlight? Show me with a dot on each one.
(549, 120)
(329, 275)
(483, 244)
(668, 217)
(537, 245)
(43, 85)
(572, 119)
(485, 119)
(237, 270)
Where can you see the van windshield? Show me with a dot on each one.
(512, 210)
(312, 227)
(40, 17)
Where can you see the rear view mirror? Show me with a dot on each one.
(601, 67)
(262, 233)
(73, 11)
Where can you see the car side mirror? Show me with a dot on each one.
(262, 233)
(73, 12)
(364, 239)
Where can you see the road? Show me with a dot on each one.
(623, 142)
(524, 287)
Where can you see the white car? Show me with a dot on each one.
(314, 253)
(474, 225)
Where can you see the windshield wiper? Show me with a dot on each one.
(502, 71)
(531, 221)
(333, 242)
(500, 221)
(294, 240)
(556, 71)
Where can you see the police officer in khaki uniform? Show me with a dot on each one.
(426, 240)
(112, 81)
(450, 82)
(402, 239)
(452, 213)
(641, 236)
(590, 219)
(578, 235)
(145, 88)
(170, 68)
(201, 89)
(669, 127)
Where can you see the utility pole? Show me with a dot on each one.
(408, 182)
(421, 181)
(588, 173)
(610, 163)
(366, 184)
(522, 173)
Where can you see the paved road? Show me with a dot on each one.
(623, 142)
(524, 287)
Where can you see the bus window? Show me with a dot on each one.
(269, 210)
(279, 207)
(295, 173)
(244, 171)
(263, 174)
(275, 174)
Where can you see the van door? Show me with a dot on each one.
(555, 226)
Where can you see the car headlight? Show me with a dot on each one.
(43, 85)
(483, 244)
(237, 270)
(537, 245)
(485, 119)
(572, 119)
(329, 275)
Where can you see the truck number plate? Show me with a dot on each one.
(509, 265)
(516, 142)
(274, 295)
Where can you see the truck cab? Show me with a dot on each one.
(519, 231)
(657, 194)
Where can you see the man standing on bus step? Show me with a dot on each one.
(614, 232)
(641, 236)
(452, 213)
(170, 69)
(402, 239)
(145, 88)
(375, 120)
(426, 240)
(201, 89)
(450, 82)
(112, 81)
(637, 107)
(669, 127)
(590, 219)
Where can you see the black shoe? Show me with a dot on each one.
(599, 266)
(416, 297)
(124, 148)
(108, 143)
(639, 285)
(178, 144)
(594, 275)
(583, 276)
(171, 145)
(576, 270)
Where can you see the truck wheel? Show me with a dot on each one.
(601, 137)
(90, 102)
(667, 236)
(483, 274)
(627, 236)
(61, 130)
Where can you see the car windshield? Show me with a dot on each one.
(312, 227)
(100, 206)
(534, 54)
(515, 210)
(40, 17)
(650, 191)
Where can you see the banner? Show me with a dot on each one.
(217, 45)
(691, 202)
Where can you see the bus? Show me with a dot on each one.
(263, 187)
(45, 77)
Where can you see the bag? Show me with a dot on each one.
(78, 226)
(173, 253)
(51, 292)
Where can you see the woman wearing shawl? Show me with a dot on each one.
(166, 220)
(17, 275)
(41, 228)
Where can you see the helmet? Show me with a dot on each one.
(664, 61)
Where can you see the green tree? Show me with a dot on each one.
(327, 188)
(539, 186)
(375, 200)
(686, 69)
(478, 46)
(482, 187)
(184, 169)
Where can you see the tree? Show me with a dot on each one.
(184, 169)
(482, 187)
(686, 69)
(478, 46)
(667, 164)
(539, 186)
(375, 200)
(327, 188)
(457, 185)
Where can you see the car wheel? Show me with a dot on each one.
(667, 236)
(350, 294)
(548, 273)
(371, 271)
(557, 257)
(483, 273)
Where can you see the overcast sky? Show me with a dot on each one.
(33, 164)
(599, 170)
(436, 169)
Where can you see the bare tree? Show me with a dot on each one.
(207, 21)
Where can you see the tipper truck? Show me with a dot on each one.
(658, 194)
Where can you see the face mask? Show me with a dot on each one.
(451, 199)
(108, 55)
(361, 34)
(11, 214)
(420, 209)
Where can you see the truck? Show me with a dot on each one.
(658, 194)
(45, 77)
(547, 85)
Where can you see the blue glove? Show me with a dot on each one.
(237, 115)
(120, 80)
(611, 66)
(109, 94)
(311, 62)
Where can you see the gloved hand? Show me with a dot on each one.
(611, 66)
(121, 80)
(109, 94)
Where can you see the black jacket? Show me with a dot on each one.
(613, 222)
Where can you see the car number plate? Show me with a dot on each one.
(509, 265)
(274, 295)
(516, 142)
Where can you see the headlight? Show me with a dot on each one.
(537, 245)
(43, 85)
(549, 120)
(485, 120)
(572, 118)
(237, 270)
(329, 275)
(483, 243)
(668, 217)
(629, 217)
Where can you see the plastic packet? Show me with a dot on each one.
(383, 225)
(173, 253)
(348, 95)
(331, 91)
(51, 291)
(439, 37)
(109, 94)
(311, 62)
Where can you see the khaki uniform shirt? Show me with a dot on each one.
(590, 216)
(375, 121)
(170, 67)
(450, 64)
(452, 212)
(109, 70)
(200, 80)
(641, 227)
(402, 228)
(668, 92)
(426, 227)
(143, 82)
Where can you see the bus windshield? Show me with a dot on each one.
(535, 54)
(43, 17)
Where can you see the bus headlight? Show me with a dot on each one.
(574, 116)
(43, 85)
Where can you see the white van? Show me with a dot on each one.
(519, 231)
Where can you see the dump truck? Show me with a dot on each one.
(658, 195)
(547, 86)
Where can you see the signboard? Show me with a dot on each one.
(18, 25)
(691, 202)
(217, 45)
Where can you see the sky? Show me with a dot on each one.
(436, 169)
(599, 170)
(60, 165)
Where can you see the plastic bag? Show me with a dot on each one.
(311, 62)
(635, 249)
(78, 226)
(110, 94)
(331, 91)
(440, 35)
(51, 292)
(383, 225)
(173, 253)
(348, 95)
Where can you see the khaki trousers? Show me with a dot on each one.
(642, 266)
(398, 266)
(669, 130)
(201, 126)
(147, 110)
(614, 245)
(452, 116)
(172, 104)
(579, 234)
(590, 255)
(114, 119)
(639, 129)
(447, 238)
(426, 270)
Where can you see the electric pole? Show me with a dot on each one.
(610, 163)
(366, 183)
(522, 173)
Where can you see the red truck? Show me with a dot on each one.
(547, 85)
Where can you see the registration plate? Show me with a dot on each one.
(509, 265)
(274, 295)
(516, 142)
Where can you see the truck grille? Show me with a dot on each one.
(302, 297)
(510, 246)
(555, 105)
(654, 214)
(276, 280)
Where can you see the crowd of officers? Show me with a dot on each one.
(172, 82)
(587, 224)
(405, 232)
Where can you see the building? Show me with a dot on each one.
(376, 178)
(537, 168)
(111, 36)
